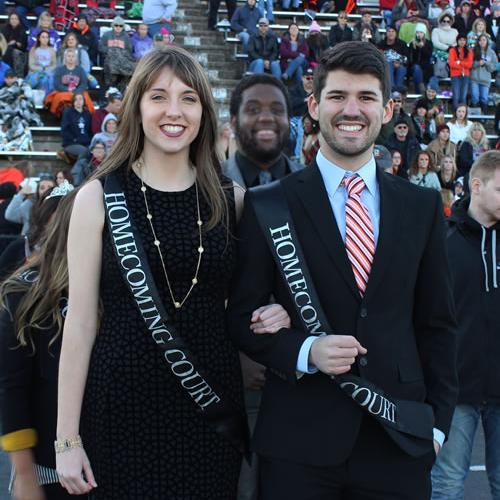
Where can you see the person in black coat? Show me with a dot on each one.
(340, 32)
(31, 323)
(474, 250)
(15, 36)
(263, 51)
(76, 127)
(464, 21)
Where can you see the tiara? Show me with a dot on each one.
(61, 190)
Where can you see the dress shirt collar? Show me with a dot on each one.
(333, 174)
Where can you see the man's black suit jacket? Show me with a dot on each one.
(405, 320)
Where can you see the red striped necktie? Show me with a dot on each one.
(359, 237)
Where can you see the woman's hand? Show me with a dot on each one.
(26, 487)
(269, 319)
(75, 473)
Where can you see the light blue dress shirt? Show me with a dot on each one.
(332, 176)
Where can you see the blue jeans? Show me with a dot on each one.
(296, 134)
(453, 462)
(460, 88)
(286, 4)
(257, 66)
(266, 9)
(244, 36)
(295, 66)
(418, 76)
(398, 75)
(479, 94)
(22, 12)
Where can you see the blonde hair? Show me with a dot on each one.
(202, 151)
(48, 15)
(484, 139)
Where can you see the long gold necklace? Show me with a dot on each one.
(177, 304)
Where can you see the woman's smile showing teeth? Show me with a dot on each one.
(173, 130)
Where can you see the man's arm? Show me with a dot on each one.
(252, 285)
(434, 320)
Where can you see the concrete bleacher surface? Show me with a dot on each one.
(218, 52)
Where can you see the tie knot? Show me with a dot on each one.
(354, 184)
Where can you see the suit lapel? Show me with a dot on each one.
(311, 192)
(390, 209)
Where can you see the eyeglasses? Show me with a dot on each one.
(446, 21)
(118, 25)
(263, 24)
(402, 127)
(308, 78)
(397, 100)
(342, 17)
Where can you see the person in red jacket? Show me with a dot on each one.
(460, 62)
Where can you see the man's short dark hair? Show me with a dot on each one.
(251, 80)
(358, 58)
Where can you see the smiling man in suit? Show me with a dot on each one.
(374, 246)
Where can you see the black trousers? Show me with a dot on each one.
(213, 7)
(376, 470)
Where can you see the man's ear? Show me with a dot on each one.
(313, 107)
(232, 122)
(388, 111)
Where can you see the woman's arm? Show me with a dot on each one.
(19, 209)
(32, 62)
(84, 269)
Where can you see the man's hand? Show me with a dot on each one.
(334, 354)
(266, 64)
(253, 373)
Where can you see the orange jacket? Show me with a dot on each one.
(460, 65)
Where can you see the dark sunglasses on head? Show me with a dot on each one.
(446, 21)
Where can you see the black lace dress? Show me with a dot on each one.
(142, 433)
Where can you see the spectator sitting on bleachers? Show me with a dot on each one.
(317, 43)
(433, 104)
(70, 41)
(478, 29)
(408, 9)
(294, 52)
(7, 192)
(422, 171)
(386, 7)
(75, 130)
(398, 114)
(17, 114)
(69, 79)
(45, 23)
(404, 142)
(459, 124)
(142, 43)
(328, 7)
(436, 9)
(420, 58)
(25, 7)
(299, 93)
(465, 19)
(244, 22)
(447, 173)
(114, 103)
(263, 50)
(493, 22)
(86, 37)
(108, 132)
(396, 161)
(367, 34)
(64, 175)
(474, 145)
(42, 63)
(15, 36)
(366, 18)
(396, 53)
(443, 38)
(310, 140)
(442, 145)
(341, 31)
(290, 4)
(87, 164)
(484, 64)
(157, 14)
(425, 128)
(116, 48)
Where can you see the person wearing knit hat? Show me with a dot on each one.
(420, 58)
(315, 27)
(442, 146)
(317, 42)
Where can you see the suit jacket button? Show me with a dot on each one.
(364, 312)
(363, 360)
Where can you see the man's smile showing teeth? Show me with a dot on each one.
(350, 128)
(266, 134)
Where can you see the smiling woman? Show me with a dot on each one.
(160, 267)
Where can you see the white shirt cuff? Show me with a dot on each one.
(303, 358)
(439, 436)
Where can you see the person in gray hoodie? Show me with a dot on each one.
(108, 132)
(485, 63)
